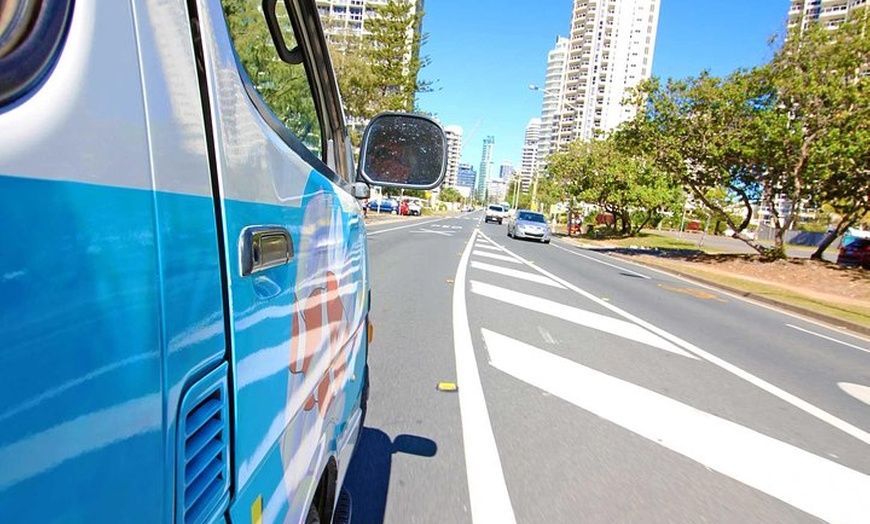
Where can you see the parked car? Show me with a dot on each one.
(410, 207)
(495, 213)
(387, 205)
(855, 249)
(529, 224)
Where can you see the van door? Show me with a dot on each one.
(293, 244)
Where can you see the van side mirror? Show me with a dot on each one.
(403, 150)
(360, 190)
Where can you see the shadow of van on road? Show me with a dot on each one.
(368, 476)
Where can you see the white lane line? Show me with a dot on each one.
(429, 231)
(857, 391)
(760, 383)
(513, 273)
(487, 490)
(859, 348)
(610, 325)
(602, 262)
(495, 256)
(749, 301)
(415, 224)
(818, 486)
(487, 246)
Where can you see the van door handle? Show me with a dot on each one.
(264, 247)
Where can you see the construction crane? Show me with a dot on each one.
(467, 139)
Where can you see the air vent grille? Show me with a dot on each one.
(203, 464)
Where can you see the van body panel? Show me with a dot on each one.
(296, 328)
(125, 191)
(108, 360)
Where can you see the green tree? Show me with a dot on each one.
(695, 130)
(449, 194)
(284, 87)
(822, 77)
(379, 70)
(628, 186)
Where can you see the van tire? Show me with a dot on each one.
(313, 515)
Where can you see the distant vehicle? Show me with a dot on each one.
(387, 205)
(529, 224)
(495, 213)
(410, 207)
(855, 249)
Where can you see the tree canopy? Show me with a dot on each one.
(379, 69)
(795, 130)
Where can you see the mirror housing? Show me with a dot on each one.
(403, 150)
(360, 190)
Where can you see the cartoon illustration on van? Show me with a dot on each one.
(184, 286)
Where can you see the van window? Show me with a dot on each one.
(283, 87)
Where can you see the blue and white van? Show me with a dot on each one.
(184, 287)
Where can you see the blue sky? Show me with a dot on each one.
(485, 53)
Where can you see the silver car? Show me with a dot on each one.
(529, 224)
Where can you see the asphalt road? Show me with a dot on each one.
(594, 390)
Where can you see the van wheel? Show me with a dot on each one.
(313, 515)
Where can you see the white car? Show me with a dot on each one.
(529, 224)
(495, 213)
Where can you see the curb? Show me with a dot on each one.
(834, 321)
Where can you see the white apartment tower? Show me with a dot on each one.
(830, 13)
(485, 167)
(610, 51)
(529, 161)
(557, 61)
(454, 154)
(349, 16)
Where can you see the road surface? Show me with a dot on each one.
(594, 390)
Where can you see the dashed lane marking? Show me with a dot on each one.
(859, 348)
(857, 391)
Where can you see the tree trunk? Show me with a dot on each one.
(841, 228)
(625, 218)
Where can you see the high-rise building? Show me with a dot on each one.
(557, 61)
(349, 17)
(466, 176)
(831, 13)
(529, 165)
(506, 170)
(454, 154)
(496, 190)
(485, 167)
(610, 50)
